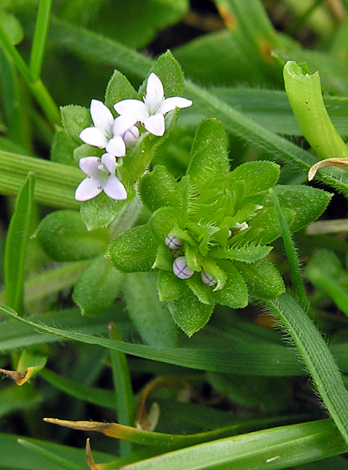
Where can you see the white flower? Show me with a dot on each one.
(151, 112)
(107, 132)
(100, 176)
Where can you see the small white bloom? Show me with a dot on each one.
(107, 132)
(100, 176)
(180, 268)
(151, 112)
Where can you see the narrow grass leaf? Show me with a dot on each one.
(16, 245)
(275, 448)
(97, 396)
(12, 105)
(290, 249)
(40, 35)
(317, 358)
(50, 456)
(17, 457)
(124, 397)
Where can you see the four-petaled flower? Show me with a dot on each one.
(107, 132)
(116, 135)
(151, 112)
(100, 176)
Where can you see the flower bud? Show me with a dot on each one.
(180, 268)
(174, 243)
(207, 279)
(131, 136)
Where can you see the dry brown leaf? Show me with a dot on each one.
(89, 458)
(338, 162)
(19, 377)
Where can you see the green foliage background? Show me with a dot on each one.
(261, 384)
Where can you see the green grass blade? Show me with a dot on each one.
(275, 448)
(49, 455)
(40, 35)
(245, 358)
(14, 398)
(328, 284)
(262, 106)
(295, 272)
(168, 441)
(97, 396)
(97, 48)
(317, 358)
(14, 335)
(249, 359)
(254, 34)
(16, 245)
(12, 102)
(17, 457)
(37, 87)
(123, 389)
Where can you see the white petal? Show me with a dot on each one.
(123, 123)
(94, 136)
(115, 189)
(134, 108)
(89, 165)
(116, 146)
(175, 102)
(88, 189)
(109, 162)
(154, 92)
(155, 124)
(101, 116)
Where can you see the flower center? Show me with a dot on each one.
(103, 172)
(152, 106)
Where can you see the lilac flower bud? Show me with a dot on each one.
(207, 279)
(180, 268)
(174, 243)
(131, 136)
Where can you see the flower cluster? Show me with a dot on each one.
(116, 135)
